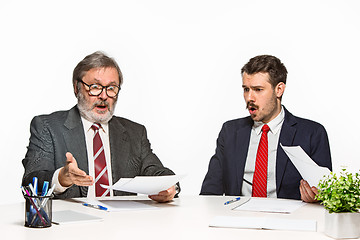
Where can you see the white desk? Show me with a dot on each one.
(187, 217)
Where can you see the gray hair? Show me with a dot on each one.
(95, 60)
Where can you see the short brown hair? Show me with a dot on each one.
(267, 64)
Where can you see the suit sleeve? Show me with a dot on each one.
(151, 164)
(39, 159)
(213, 181)
(320, 148)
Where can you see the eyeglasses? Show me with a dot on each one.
(96, 89)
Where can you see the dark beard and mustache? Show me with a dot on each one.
(87, 113)
(251, 106)
(266, 112)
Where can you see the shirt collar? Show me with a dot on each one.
(87, 125)
(274, 125)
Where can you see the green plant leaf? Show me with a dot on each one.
(340, 193)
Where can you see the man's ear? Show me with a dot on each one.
(76, 90)
(279, 89)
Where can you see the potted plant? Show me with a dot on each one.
(340, 195)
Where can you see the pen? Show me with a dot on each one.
(32, 189)
(45, 188)
(35, 185)
(48, 195)
(95, 206)
(232, 200)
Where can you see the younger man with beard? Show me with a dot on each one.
(86, 146)
(240, 166)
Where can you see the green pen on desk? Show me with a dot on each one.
(232, 200)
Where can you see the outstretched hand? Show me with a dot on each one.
(71, 174)
(164, 196)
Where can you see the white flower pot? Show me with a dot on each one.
(342, 225)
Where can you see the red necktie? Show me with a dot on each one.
(101, 174)
(259, 187)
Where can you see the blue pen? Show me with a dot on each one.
(95, 206)
(232, 200)
(45, 188)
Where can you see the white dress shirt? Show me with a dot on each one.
(89, 135)
(273, 139)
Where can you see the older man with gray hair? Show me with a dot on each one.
(80, 149)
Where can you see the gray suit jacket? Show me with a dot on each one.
(55, 134)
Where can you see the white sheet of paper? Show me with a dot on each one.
(307, 168)
(270, 205)
(69, 216)
(264, 223)
(148, 185)
(113, 205)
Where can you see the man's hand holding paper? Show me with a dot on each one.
(307, 193)
(164, 196)
(158, 188)
(308, 169)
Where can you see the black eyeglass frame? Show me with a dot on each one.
(102, 88)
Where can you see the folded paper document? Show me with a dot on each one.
(274, 205)
(264, 223)
(148, 185)
(307, 168)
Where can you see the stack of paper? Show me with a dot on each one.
(270, 205)
(264, 223)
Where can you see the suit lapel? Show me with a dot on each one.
(241, 151)
(287, 136)
(74, 138)
(119, 148)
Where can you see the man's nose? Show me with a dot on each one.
(103, 94)
(250, 96)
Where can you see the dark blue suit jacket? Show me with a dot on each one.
(226, 167)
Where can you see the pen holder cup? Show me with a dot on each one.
(38, 211)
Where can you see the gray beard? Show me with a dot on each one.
(86, 111)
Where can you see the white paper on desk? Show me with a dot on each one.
(114, 205)
(69, 216)
(148, 185)
(264, 223)
(275, 205)
(307, 168)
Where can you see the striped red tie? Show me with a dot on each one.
(259, 187)
(101, 174)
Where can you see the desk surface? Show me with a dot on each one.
(187, 217)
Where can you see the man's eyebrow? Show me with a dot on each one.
(111, 83)
(258, 86)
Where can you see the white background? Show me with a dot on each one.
(181, 63)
